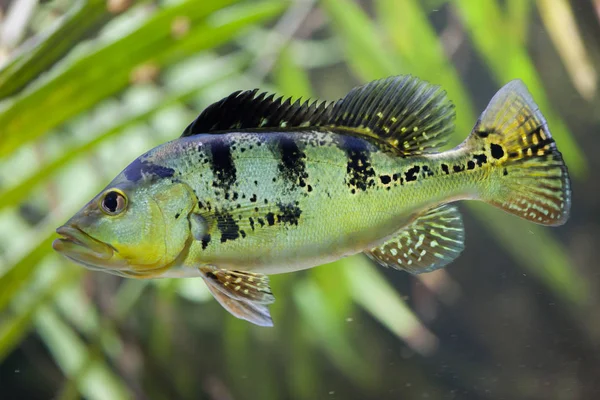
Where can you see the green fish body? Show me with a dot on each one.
(259, 186)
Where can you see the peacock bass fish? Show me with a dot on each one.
(259, 185)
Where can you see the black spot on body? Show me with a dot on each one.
(228, 227)
(411, 174)
(270, 219)
(505, 172)
(261, 222)
(385, 179)
(359, 170)
(483, 134)
(427, 171)
(222, 164)
(253, 198)
(137, 169)
(458, 168)
(251, 220)
(289, 214)
(480, 159)
(470, 165)
(177, 215)
(497, 151)
(205, 241)
(445, 169)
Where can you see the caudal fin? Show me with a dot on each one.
(530, 178)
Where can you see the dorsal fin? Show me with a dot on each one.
(410, 115)
(252, 110)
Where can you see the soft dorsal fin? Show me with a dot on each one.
(410, 115)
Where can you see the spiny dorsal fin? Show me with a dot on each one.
(405, 112)
(430, 241)
(252, 110)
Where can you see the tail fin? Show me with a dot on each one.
(530, 178)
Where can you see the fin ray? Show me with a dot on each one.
(257, 314)
(431, 241)
(534, 183)
(244, 294)
(411, 115)
(240, 285)
(403, 112)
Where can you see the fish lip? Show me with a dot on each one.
(72, 235)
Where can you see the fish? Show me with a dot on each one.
(259, 185)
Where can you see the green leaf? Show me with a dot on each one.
(18, 193)
(96, 381)
(108, 70)
(14, 328)
(364, 47)
(507, 59)
(374, 294)
(13, 280)
(329, 332)
(36, 57)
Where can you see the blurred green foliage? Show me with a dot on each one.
(97, 82)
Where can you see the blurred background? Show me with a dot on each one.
(86, 86)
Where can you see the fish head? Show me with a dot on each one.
(131, 228)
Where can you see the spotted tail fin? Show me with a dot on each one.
(530, 179)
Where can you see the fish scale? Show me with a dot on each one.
(258, 185)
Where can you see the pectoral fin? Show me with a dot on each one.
(244, 294)
(430, 241)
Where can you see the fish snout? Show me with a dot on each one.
(78, 245)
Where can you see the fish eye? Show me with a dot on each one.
(113, 202)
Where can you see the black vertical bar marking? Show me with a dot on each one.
(230, 230)
(222, 164)
(140, 168)
(360, 173)
(292, 166)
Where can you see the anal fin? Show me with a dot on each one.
(430, 241)
(244, 294)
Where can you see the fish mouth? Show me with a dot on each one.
(82, 248)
